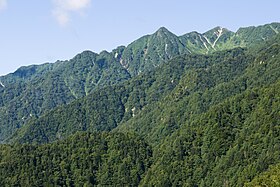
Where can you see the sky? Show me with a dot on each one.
(36, 32)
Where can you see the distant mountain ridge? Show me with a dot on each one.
(31, 91)
(151, 50)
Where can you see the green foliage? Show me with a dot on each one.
(227, 145)
(106, 108)
(207, 120)
(31, 91)
(201, 114)
(255, 35)
(150, 51)
(268, 178)
(84, 159)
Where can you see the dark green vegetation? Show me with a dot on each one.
(209, 115)
(82, 160)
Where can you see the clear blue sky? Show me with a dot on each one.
(38, 31)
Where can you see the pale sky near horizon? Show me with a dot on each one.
(35, 32)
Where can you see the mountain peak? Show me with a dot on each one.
(217, 29)
(163, 30)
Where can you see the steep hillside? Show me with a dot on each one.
(186, 86)
(227, 145)
(220, 38)
(150, 51)
(106, 108)
(207, 119)
(201, 87)
(32, 91)
(211, 120)
(223, 136)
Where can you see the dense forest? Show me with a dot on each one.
(148, 115)
(81, 160)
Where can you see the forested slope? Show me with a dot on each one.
(228, 145)
(31, 91)
(195, 120)
(106, 108)
(34, 90)
(84, 159)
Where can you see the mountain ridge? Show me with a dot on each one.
(165, 116)
(54, 84)
(274, 26)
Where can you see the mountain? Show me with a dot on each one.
(202, 113)
(212, 40)
(249, 35)
(32, 91)
(106, 108)
(150, 51)
(209, 120)
(231, 143)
